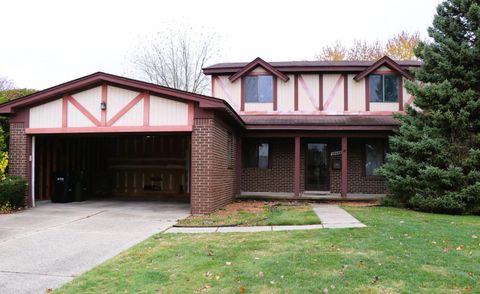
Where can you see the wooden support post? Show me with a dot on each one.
(296, 167)
(344, 166)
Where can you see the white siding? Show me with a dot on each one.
(383, 106)
(76, 118)
(285, 94)
(232, 91)
(258, 106)
(356, 94)
(48, 115)
(166, 112)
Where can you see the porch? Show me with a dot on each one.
(312, 165)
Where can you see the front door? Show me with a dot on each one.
(316, 167)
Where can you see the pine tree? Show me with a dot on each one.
(434, 158)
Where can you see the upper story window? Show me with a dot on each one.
(383, 88)
(259, 89)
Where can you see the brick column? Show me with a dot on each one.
(19, 164)
(212, 179)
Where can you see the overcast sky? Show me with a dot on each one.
(44, 43)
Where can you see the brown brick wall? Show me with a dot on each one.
(279, 178)
(212, 179)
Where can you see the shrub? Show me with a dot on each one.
(13, 190)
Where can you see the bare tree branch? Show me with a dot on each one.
(5, 83)
(175, 59)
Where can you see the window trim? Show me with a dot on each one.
(364, 157)
(243, 92)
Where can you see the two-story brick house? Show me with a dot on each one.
(284, 129)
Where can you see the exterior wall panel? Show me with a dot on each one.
(308, 93)
(117, 99)
(285, 94)
(166, 112)
(48, 115)
(333, 92)
(356, 94)
(384, 106)
(90, 99)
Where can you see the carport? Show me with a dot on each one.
(122, 166)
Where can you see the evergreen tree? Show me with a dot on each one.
(434, 159)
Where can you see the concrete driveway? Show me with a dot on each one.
(49, 245)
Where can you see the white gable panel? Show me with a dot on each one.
(117, 99)
(48, 115)
(133, 117)
(90, 100)
(75, 118)
(167, 112)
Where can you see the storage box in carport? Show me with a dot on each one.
(64, 187)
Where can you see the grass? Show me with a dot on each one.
(256, 214)
(400, 251)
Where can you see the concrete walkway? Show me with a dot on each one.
(331, 217)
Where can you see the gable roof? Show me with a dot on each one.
(307, 66)
(252, 65)
(385, 60)
(98, 78)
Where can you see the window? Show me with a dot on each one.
(257, 154)
(259, 89)
(383, 88)
(230, 150)
(374, 156)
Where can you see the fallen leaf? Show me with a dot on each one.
(206, 288)
(272, 282)
(375, 279)
(460, 248)
(49, 290)
(467, 289)
(243, 290)
(208, 275)
(260, 275)
(445, 250)
(325, 291)
(341, 273)
(434, 242)
(228, 263)
(474, 236)
(470, 274)
(217, 278)
(210, 253)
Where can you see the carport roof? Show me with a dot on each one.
(98, 78)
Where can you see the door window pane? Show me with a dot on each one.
(263, 155)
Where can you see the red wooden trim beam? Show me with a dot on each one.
(400, 93)
(104, 100)
(367, 93)
(345, 92)
(344, 166)
(275, 102)
(242, 94)
(191, 113)
(84, 111)
(136, 129)
(64, 111)
(295, 91)
(296, 167)
(146, 109)
(320, 92)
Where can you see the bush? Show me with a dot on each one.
(13, 190)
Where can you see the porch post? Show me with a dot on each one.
(296, 168)
(344, 166)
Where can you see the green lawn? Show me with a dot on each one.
(265, 214)
(399, 252)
